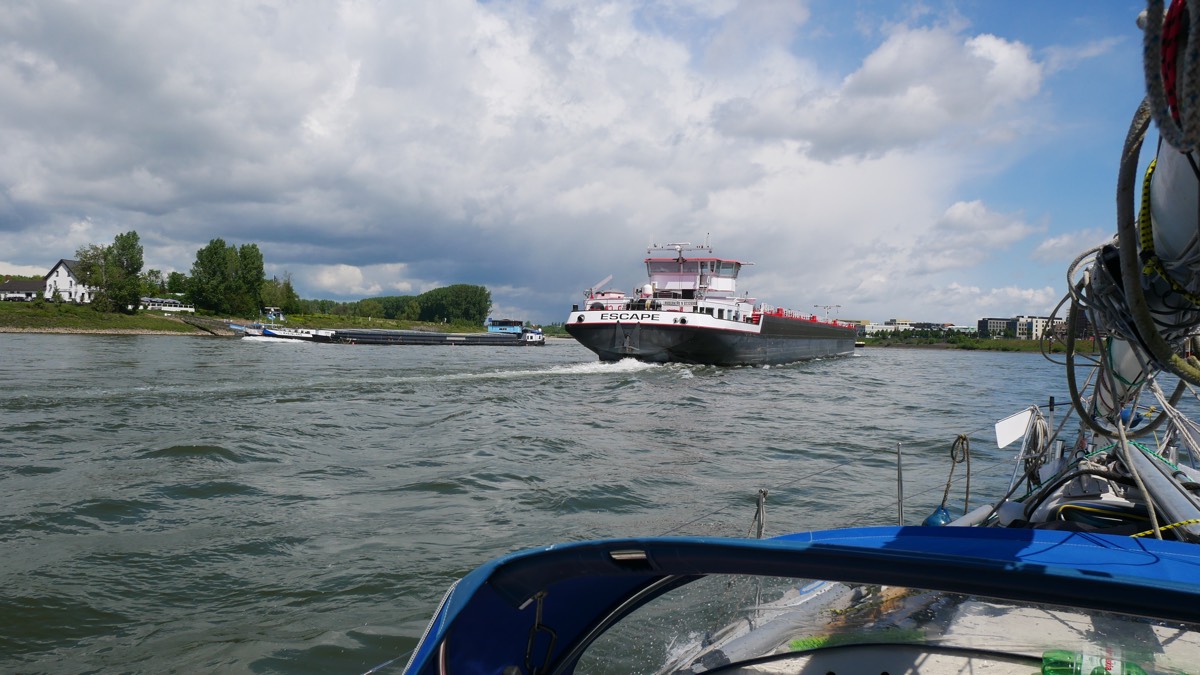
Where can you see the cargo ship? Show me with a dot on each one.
(689, 311)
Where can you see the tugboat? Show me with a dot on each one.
(689, 312)
(529, 336)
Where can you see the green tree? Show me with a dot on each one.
(401, 307)
(177, 282)
(458, 302)
(209, 279)
(92, 271)
(114, 271)
(369, 308)
(248, 280)
(153, 283)
(227, 279)
(278, 292)
(125, 256)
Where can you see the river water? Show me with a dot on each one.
(220, 505)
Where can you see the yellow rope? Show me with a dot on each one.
(1089, 509)
(1152, 264)
(1193, 521)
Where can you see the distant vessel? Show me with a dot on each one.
(313, 334)
(689, 312)
(521, 337)
(530, 336)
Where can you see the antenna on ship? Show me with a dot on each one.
(680, 247)
(827, 308)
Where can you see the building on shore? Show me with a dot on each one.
(63, 281)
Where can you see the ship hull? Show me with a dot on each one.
(674, 337)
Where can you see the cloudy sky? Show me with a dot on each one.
(935, 161)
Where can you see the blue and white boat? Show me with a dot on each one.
(528, 335)
(1088, 563)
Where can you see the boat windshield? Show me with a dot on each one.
(804, 625)
(673, 266)
(721, 268)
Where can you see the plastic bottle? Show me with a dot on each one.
(1064, 662)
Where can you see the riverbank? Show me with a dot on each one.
(100, 331)
(49, 317)
(1086, 346)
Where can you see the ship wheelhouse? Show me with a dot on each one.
(701, 285)
(689, 278)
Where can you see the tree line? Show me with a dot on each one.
(230, 280)
(455, 303)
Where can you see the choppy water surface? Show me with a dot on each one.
(188, 504)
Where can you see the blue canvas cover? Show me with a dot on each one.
(486, 622)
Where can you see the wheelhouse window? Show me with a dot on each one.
(673, 267)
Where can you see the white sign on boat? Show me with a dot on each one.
(1012, 427)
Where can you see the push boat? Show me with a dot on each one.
(288, 333)
(527, 334)
(689, 311)
(521, 337)
(1088, 563)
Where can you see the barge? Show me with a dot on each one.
(689, 311)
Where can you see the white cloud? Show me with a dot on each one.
(964, 304)
(1060, 57)
(922, 85)
(340, 278)
(967, 235)
(22, 270)
(1065, 247)
(382, 147)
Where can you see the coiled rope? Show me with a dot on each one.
(960, 451)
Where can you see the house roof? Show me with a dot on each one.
(22, 286)
(71, 266)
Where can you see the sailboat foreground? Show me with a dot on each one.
(1088, 563)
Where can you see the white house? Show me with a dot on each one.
(63, 280)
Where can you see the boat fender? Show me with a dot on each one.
(938, 518)
(1130, 418)
(1009, 513)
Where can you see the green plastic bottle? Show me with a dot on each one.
(1063, 662)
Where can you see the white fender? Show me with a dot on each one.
(1174, 214)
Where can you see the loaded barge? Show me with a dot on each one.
(501, 333)
(689, 312)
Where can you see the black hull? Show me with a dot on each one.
(780, 341)
(406, 337)
(409, 337)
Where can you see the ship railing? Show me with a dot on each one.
(770, 310)
(609, 304)
(675, 304)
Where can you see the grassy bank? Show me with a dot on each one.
(975, 344)
(66, 318)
